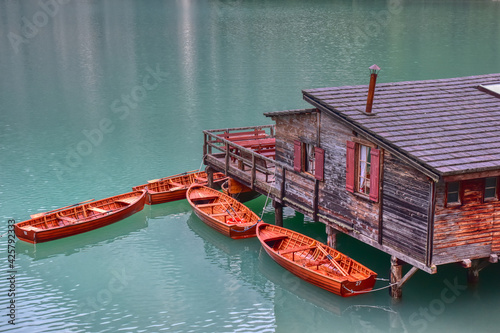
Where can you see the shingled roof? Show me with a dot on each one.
(448, 125)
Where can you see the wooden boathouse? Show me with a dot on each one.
(410, 168)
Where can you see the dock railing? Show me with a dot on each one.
(222, 144)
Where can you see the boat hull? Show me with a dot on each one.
(35, 235)
(233, 230)
(339, 285)
(162, 190)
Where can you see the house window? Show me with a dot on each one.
(364, 163)
(308, 158)
(490, 188)
(308, 150)
(363, 170)
(453, 193)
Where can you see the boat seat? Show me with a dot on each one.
(177, 184)
(66, 218)
(30, 227)
(98, 210)
(270, 238)
(218, 214)
(209, 205)
(209, 197)
(297, 249)
(127, 201)
(201, 179)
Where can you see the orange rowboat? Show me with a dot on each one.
(174, 187)
(221, 212)
(315, 262)
(79, 218)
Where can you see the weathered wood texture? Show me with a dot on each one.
(406, 204)
(467, 231)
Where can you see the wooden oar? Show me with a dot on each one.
(34, 216)
(235, 212)
(329, 257)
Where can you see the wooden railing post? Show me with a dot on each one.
(205, 144)
(227, 158)
(252, 177)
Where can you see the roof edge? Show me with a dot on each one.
(290, 112)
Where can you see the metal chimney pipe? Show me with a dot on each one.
(374, 69)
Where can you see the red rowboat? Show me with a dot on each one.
(79, 218)
(315, 262)
(221, 212)
(174, 187)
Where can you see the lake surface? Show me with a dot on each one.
(99, 96)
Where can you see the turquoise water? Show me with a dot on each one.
(99, 96)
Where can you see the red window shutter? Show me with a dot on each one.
(375, 174)
(297, 155)
(350, 163)
(319, 163)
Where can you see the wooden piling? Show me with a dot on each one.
(278, 213)
(476, 265)
(396, 275)
(210, 176)
(331, 237)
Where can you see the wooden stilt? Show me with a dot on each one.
(396, 275)
(278, 213)
(331, 237)
(475, 267)
(210, 176)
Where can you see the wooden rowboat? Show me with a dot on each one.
(79, 218)
(174, 187)
(221, 212)
(315, 262)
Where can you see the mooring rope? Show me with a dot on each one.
(382, 279)
(268, 194)
(370, 291)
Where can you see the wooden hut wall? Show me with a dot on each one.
(301, 127)
(406, 200)
(466, 231)
(334, 199)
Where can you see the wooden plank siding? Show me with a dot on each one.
(469, 230)
(406, 208)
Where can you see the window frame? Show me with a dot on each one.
(358, 176)
(497, 190)
(300, 159)
(305, 158)
(459, 195)
(353, 157)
